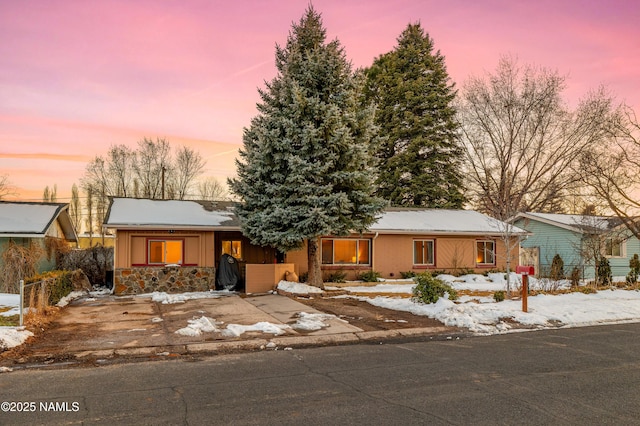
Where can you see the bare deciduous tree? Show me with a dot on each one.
(5, 187)
(212, 190)
(188, 165)
(75, 208)
(151, 171)
(611, 169)
(90, 196)
(50, 195)
(112, 175)
(521, 140)
(153, 160)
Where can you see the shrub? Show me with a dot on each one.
(498, 296)
(369, 276)
(18, 263)
(587, 290)
(94, 262)
(634, 265)
(336, 277)
(429, 289)
(604, 272)
(57, 284)
(60, 287)
(407, 274)
(557, 268)
(466, 271)
(303, 277)
(575, 277)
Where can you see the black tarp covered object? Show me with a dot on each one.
(228, 273)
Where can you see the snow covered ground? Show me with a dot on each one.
(11, 336)
(480, 314)
(14, 336)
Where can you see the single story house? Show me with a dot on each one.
(44, 224)
(411, 239)
(578, 239)
(177, 245)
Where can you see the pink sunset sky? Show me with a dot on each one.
(79, 76)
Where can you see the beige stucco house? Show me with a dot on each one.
(416, 240)
(174, 245)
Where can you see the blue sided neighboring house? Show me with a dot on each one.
(25, 223)
(577, 239)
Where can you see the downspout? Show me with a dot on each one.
(372, 252)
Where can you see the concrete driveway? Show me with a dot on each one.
(106, 326)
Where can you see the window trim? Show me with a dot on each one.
(484, 264)
(222, 241)
(433, 253)
(623, 248)
(161, 265)
(349, 265)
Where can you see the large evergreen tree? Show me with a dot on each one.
(420, 158)
(305, 169)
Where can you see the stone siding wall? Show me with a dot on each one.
(170, 279)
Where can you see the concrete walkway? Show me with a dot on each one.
(104, 327)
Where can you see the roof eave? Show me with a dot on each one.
(432, 232)
(167, 226)
(21, 235)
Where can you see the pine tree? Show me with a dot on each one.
(420, 159)
(305, 169)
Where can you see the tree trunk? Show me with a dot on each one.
(315, 273)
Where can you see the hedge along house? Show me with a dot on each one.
(176, 246)
(578, 240)
(419, 240)
(43, 225)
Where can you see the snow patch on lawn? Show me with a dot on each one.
(304, 321)
(11, 337)
(235, 330)
(482, 315)
(382, 288)
(168, 299)
(298, 288)
(313, 322)
(198, 326)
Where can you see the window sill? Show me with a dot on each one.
(338, 267)
(162, 265)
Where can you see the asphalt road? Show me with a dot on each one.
(582, 376)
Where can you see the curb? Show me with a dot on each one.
(275, 343)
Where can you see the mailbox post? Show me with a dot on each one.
(525, 271)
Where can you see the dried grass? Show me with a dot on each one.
(39, 312)
(18, 263)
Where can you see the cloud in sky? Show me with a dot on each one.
(77, 77)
